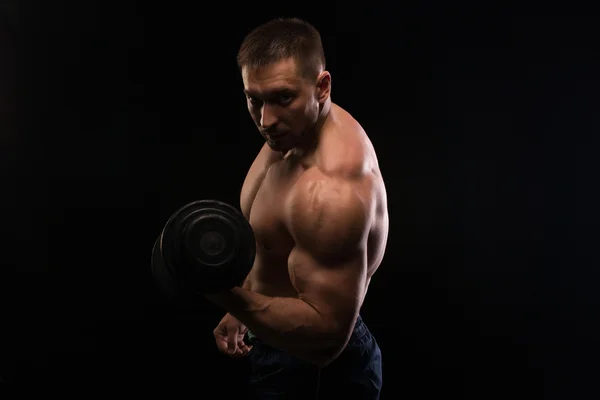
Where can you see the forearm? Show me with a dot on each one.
(247, 284)
(289, 324)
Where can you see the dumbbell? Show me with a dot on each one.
(205, 247)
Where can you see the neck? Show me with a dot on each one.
(311, 138)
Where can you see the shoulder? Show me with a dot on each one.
(346, 148)
(316, 189)
(329, 213)
(332, 203)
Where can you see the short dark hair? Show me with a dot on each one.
(280, 39)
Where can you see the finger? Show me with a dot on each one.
(232, 341)
(245, 350)
(243, 345)
(241, 350)
(222, 345)
(238, 353)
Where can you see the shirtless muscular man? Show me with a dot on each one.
(316, 201)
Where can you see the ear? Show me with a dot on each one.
(323, 86)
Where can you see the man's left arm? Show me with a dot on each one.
(329, 222)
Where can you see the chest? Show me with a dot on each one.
(267, 209)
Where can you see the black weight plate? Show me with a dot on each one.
(205, 246)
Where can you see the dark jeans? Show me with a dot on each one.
(355, 374)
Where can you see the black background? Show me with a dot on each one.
(485, 120)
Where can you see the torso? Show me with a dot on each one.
(344, 146)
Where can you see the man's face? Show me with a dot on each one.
(283, 103)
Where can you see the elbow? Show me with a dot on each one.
(329, 352)
(333, 340)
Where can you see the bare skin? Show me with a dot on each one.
(316, 201)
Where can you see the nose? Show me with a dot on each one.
(268, 118)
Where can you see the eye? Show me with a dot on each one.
(254, 101)
(285, 99)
